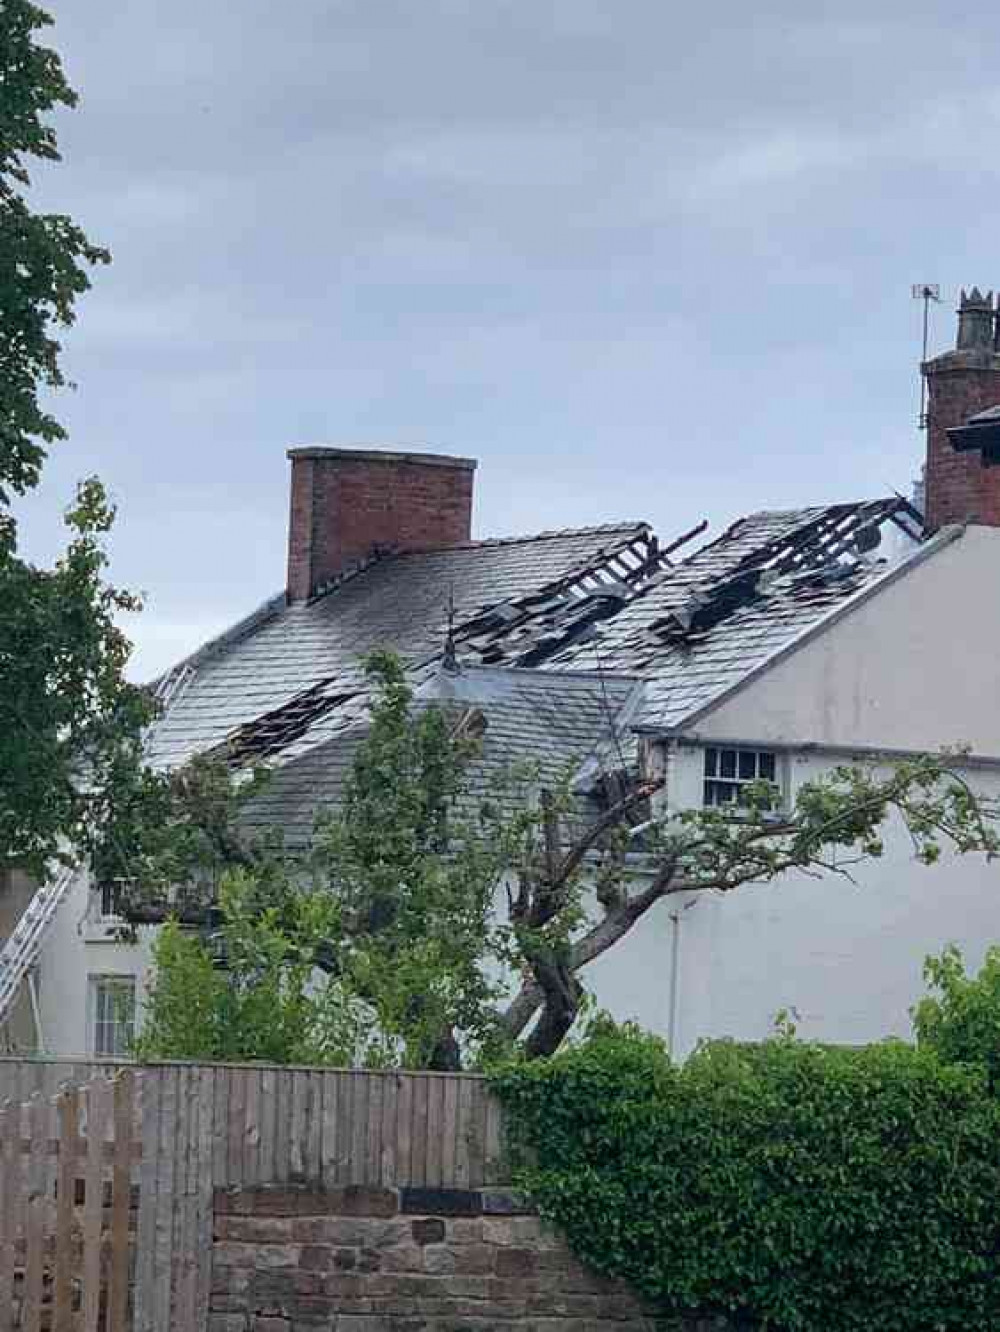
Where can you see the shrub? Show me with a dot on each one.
(795, 1186)
(961, 1023)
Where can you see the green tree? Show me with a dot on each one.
(449, 924)
(44, 257)
(960, 1020)
(70, 724)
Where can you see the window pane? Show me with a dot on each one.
(711, 762)
(727, 762)
(767, 766)
(114, 1015)
(748, 765)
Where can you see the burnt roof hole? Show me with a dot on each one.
(275, 730)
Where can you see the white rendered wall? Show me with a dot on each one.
(917, 667)
(846, 959)
(75, 950)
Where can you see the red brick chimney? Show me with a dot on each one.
(962, 480)
(349, 504)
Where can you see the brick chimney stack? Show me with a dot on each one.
(962, 480)
(350, 504)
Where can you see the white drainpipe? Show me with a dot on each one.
(673, 1014)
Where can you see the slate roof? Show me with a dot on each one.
(402, 602)
(701, 627)
(552, 631)
(555, 723)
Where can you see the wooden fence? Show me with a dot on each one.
(67, 1167)
(274, 1125)
(194, 1128)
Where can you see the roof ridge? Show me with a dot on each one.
(814, 508)
(549, 534)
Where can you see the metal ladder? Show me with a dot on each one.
(20, 951)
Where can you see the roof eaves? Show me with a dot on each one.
(924, 552)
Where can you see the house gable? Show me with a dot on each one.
(913, 666)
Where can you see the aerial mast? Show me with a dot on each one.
(926, 292)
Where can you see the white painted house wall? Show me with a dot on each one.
(78, 949)
(916, 667)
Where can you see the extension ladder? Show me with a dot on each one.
(20, 951)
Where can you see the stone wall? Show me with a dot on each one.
(407, 1260)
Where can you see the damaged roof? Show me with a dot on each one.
(281, 676)
(701, 627)
(552, 631)
(554, 723)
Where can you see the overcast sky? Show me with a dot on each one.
(643, 260)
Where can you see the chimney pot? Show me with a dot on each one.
(975, 321)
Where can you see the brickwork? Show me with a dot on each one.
(960, 383)
(959, 487)
(347, 504)
(408, 1260)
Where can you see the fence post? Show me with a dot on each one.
(95, 1094)
(150, 1086)
(67, 1119)
(121, 1196)
(35, 1236)
(10, 1205)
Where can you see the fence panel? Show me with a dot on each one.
(66, 1174)
(265, 1124)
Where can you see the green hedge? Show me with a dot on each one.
(799, 1187)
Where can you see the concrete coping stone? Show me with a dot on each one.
(278, 1200)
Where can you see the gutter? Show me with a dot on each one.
(696, 739)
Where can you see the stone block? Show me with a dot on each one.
(475, 1260)
(254, 1229)
(516, 1262)
(352, 1232)
(439, 1260)
(429, 1230)
(519, 1232)
(316, 1258)
(401, 1258)
(259, 1257)
(464, 1230)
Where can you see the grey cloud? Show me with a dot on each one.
(642, 260)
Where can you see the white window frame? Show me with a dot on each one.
(100, 984)
(727, 769)
(112, 888)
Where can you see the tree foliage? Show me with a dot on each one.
(70, 724)
(788, 1186)
(44, 257)
(960, 1019)
(459, 922)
